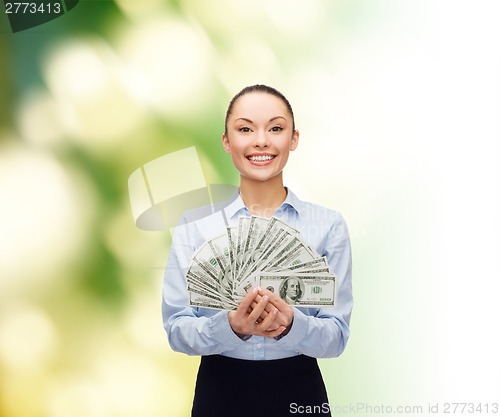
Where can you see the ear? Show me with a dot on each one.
(295, 140)
(225, 143)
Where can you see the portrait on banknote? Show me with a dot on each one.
(291, 290)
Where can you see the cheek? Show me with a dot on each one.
(284, 158)
(235, 146)
(286, 147)
(236, 157)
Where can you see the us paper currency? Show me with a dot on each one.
(259, 252)
(306, 290)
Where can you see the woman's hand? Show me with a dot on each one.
(244, 321)
(285, 314)
(280, 318)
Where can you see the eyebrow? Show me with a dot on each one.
(270, 120)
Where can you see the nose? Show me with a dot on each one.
(261, 140)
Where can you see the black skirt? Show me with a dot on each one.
(239, 388)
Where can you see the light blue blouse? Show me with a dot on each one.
(319, 333)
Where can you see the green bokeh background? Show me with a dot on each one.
(397, 103)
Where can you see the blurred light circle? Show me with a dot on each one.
(133, 250)
(169, 61)
(28, 338)
(22, 392)
(296, 17)
(249, 61)
(42, 219)
(144, 325)
(78, 68)
(77, 396)
(138, 9)
(86, 78)
(38, 119)
(236, 16)
(134, 386)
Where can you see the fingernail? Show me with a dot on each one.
(265, 298)
(256, 289)
(275, 311)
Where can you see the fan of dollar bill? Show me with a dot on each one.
(264, 253)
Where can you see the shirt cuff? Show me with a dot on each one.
(222, 332)
(298, 331)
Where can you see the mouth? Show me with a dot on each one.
(260, 157)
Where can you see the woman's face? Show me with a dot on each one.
(260, 136)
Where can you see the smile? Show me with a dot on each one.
(260, 158)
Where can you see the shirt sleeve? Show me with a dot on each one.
(323, 333)
(187, 331)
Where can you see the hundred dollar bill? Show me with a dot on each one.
(309, 247)
(197, 288)
(231, 237)
(220, 249)
(195, 276)
(207, 262)
(289, 245)
(205, 283)
(312, 271)
(282, 238)
(301, 289)
(270, 239)
(299, 254)
(225, 267)
(200, 300)
(243, 225)
(206, 265)
(252, 281)
(274, 226)
(269, 231)
(257, 227)
(305, 266)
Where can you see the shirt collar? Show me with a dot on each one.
(237, 205)
(292, 201)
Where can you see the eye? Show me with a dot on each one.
(244, 129)
(276, 129)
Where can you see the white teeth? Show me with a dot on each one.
(261, 158)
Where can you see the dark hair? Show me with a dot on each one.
(258, 88)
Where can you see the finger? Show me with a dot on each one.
(259, 308)
(247, 301)
(274, 299)
(269, 307)
(268, 321)
(286, 312)
(273, 333)
(266, 311)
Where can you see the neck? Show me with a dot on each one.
(262, 198)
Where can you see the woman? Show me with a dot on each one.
(260, 358)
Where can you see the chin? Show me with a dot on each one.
(260, 178)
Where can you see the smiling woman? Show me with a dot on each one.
(267, 342)
(259, 135)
